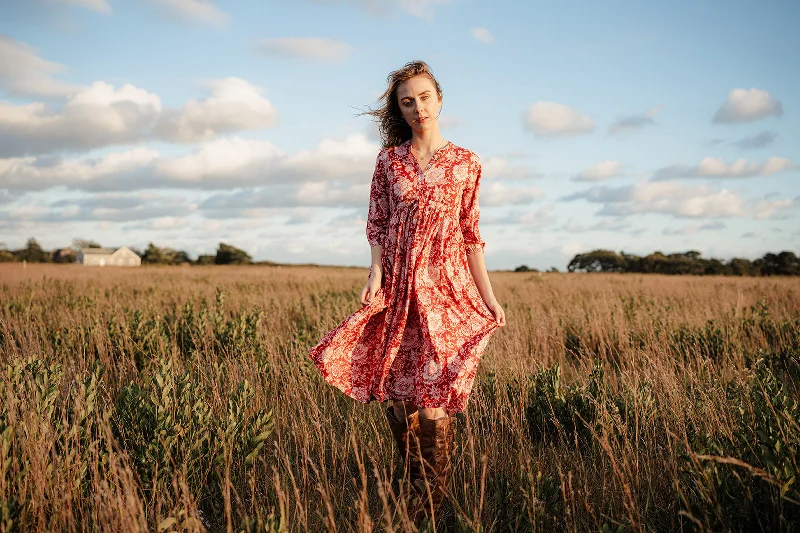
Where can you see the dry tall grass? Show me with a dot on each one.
(167, 399)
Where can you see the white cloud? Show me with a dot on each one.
(746, 106)
(425, 9)
(607, 224)
(772, 208)
(482, 34)
(316, 48)
(711, 167)
(237, 160)
(634, 122)
(96, 116)
(108, 206)
(500, 168)
(234, 105)
(549, 119)
(351, 159)
(217, 164)
(165, 223)
(612, 224)
(112, 171)
(603, 170)
(665, 197)
(494, 193)
(204, 11)
(538, 218)
(101, 115)
(96, 5)
(691, 229)
(751, 234)
(24, 73)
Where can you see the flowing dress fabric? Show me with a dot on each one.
(421, 337)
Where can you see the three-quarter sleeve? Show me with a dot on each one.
(378, 213)
(470, 210)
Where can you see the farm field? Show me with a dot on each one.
(182, 399)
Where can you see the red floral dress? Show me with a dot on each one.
(421, 337)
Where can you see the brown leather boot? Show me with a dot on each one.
(436, 446)
(406, 436)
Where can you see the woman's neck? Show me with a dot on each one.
(427, 141)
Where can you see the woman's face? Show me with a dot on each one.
(419, 102)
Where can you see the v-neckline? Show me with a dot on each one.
(420, 172)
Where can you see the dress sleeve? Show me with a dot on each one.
(378, 213)
(470, 210)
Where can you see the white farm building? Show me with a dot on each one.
(108, 257)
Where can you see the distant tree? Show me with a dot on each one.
(655, 263)
(782, 264)
(790, 264)
(692, 254)
(597, 261)
(525, 268)
(743, 267)
(33, 253)
(7, 257)
(553, 269)
(154, 255)
(180, 257)
(206, 259)
(230, 255)
(685, 263)
(715, 267)
(632, 263)
(785, 263)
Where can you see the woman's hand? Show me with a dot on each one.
(497, 310)
(372, 285)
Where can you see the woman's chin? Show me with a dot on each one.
(425, 126)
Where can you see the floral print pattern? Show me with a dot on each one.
(421, 337)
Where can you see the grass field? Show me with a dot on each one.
(181, 399)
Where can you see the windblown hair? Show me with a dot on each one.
(393, 128)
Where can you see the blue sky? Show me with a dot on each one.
(626, 125)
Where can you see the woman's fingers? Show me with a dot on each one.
(499, 315)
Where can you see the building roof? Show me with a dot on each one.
(98, 251)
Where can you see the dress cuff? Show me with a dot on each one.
(474, 248)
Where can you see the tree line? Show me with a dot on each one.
(781, 264)
(32, 252)
(785, 263)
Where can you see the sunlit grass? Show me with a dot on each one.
(174, 399)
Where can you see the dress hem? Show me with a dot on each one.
(418, 403)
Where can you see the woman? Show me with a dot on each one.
(428, 307)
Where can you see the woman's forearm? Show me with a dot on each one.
(377, 252)
(477, 267)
